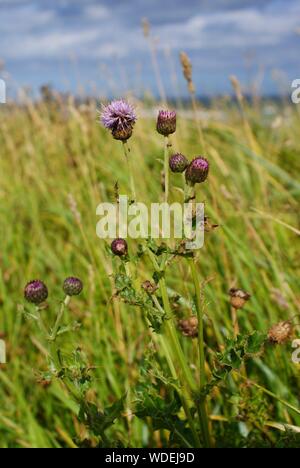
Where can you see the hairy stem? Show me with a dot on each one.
(199, 307)
(166, 168)
(130, 171)
(59, 317)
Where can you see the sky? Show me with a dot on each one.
(97, 46)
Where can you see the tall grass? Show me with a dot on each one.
(57, 164)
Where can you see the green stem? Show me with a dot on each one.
(59, 317)
(166, 168)
(130, 171)
(185, 405)
(199, 307)
(200, 323)
(179, 355)
(165, 347)
(170, 327)
(53, 350)
(41, 324)
(171, 330)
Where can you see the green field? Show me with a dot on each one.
(57, 164)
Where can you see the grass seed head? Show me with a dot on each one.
(186, 66)
(36, 292)
(146, 27)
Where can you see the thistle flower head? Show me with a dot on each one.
(178, 162)
(149, 287)
(197, 171)
(166, 122)
(36, 292)
(189, 327)
(119, 117)
(119, 247)
(280, 333)
(72, 286)
(238, 298)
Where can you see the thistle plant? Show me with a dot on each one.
(72, 371)
(188, 390)
(281, 332)
(157, 304)
(119, 247)
(166, 125)
(178, 163)
(197, 171)
(119, 117)
(184, 369)
(36, 292)
(72, 286)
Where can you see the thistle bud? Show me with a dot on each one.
(178, 163)
(166, 122)
(280, 333)
(197, 171)
(149, 287)
(238, 298)
(36, 292)
(119, 247)
(189, 327)
(72, 286)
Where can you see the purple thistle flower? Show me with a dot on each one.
(166, 122)
(36, 292)
(119, 117)
(197, 171)
(119, 247)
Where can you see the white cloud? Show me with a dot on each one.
(236, 28)
(53, 44)
(36, 33)
(96, 12)
(23, 20)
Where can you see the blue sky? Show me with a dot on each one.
(98, 44)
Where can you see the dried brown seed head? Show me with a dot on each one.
(281, 332)
(149, 287)
(189, 327)
(208, 225)
(238, 297)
